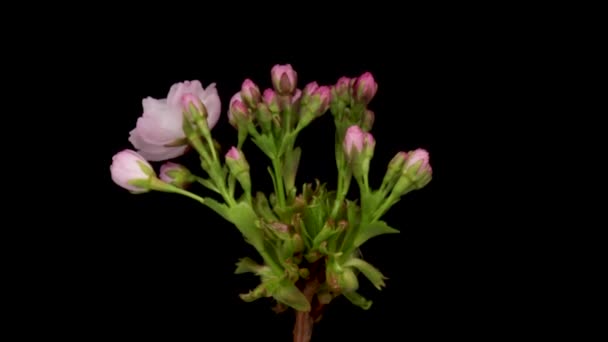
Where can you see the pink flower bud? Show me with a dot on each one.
(233, 154)
(297, 96)
(398, 161)
(239, 168)
(418, 156)
(284, 79)
(365, 88)
(176, 174)
(353, 139)
(250, 93)
(270, 98)
(128, 166)
(309, 90)
(368, 120)
(343, 87)
(324, 94)
(237, 111)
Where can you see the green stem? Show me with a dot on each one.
(276, 164)
(388, 203)
(212, 148)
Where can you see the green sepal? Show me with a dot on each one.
(348, 280)
(290, 169)
(326, 232)
(207, 183)
(247, 265)
(245, 218)
(369, 271)
(370, 230)
(358, 300)
(288, 294)
(259, 292)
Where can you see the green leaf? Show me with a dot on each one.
(324, 235)
(369, 230)
(358, 300)
(370, 202)
(266, 143)
(262, 207)
(258, 292)
(207, 183)
(247, 265)
(288, 294)
(369, 271)
(244, 218)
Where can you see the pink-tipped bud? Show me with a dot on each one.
(324, 94)
(129, 167)
(250, 93)
(296, 97)
(416, 174)
(418, 162)
(365, 88)
(271, 99)
(309, 90)
(398, 161)
(368, 120)
(239, 168)
(353, 140)
(233, 154)
(284, 79)
(237, 112)
(176, 174)
(343, 89)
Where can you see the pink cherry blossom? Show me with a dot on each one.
(159, 134)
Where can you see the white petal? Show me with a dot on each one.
(212, 102)
(163, 126)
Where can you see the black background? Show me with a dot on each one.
(162, 265)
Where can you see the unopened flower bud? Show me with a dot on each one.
(250, 93)
(416, 173)
(343, 89)
(176, 174)
(368, 120)
(131, 171)
(309, 89)
(356, 141)
(271, 99)
(238, 112)
(359, 149)
(284, 79)
(365, 88)
(239, 168)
